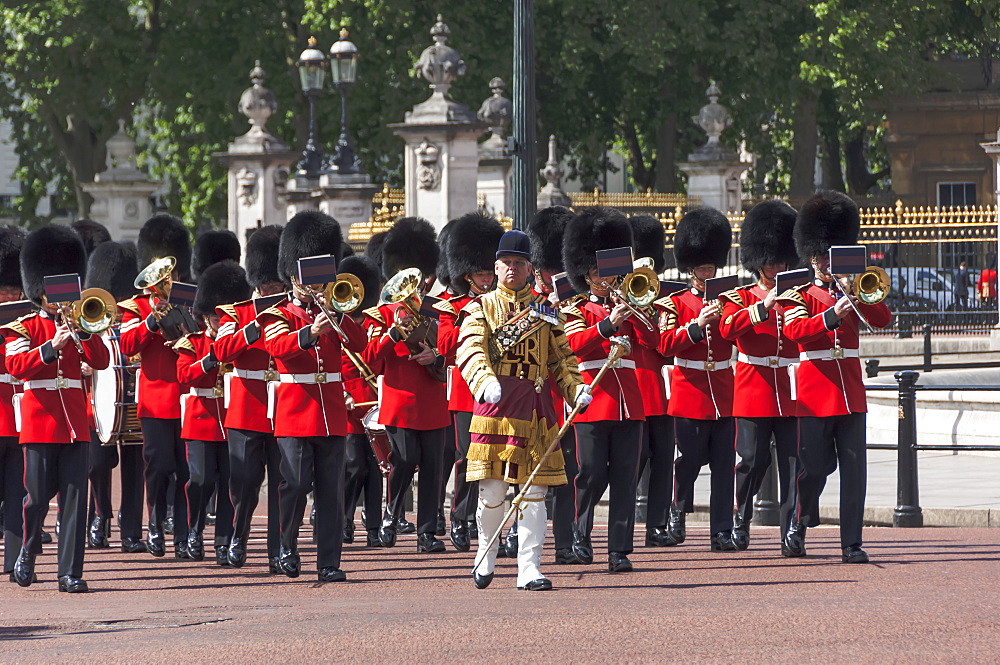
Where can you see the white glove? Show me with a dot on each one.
(583, 396)
(492, 392)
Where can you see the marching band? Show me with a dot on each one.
(555, 361)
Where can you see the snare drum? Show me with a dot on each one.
(115, 411)
(378, 439)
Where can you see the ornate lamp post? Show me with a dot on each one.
(312, 66)
(525, 187)
(344, 71)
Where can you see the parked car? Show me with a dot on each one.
(925, 283)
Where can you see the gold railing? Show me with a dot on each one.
(648, 202)
(387, 206)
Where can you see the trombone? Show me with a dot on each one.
(93, 313)
(870, 287)
(342, 296)
(638, 289)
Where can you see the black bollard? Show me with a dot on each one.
(871, 367)
(765, 505)
(907, 512)
(927, 347)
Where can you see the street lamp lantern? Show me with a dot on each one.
(344, 70)
(312, 66)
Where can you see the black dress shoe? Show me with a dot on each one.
(195, 548)
(46, 537)
(619, 563)
(460, 536)
(273, 566)
(387, 533)
(168, 526)
(13, 580)
(854, 554)
(155, 543)
(794, 542)
(331, 574)
(209, 519)
(675, 525)
(482, 581)
(97, 537)
(402, 526)
(372, 539)
(541, 584)
(289, 562)
(349, 532)
(741, 533)
(133, 546)
(442, 525)
(71, 584)
(237, 554)
(582, 550)
(24, 569)
(509, 543)
(658, 536)
(222, 555)
(426, 542)
(565, 557)
(723, 542)
(181, 550)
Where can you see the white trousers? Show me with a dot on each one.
(531, 527)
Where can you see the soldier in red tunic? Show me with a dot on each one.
(828, 384)
(609, 433)
(471, 252)
(701, 382)
(158, 392)
(42, 352)
(249, 429)
(413, 403)
(310, 414)
(752, 318)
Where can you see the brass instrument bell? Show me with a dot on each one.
(404, 288)
(345, 294)
(872, 286)
(156, 276)
(95, 311)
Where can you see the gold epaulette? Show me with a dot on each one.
(374, 313)
(230, 310)
(795, 294)
(733, 296)
(131, 305)
(275, 311)
(184, 344)
(667, 302)
(17, 327)
(445, 307)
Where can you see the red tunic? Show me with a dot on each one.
(51, 416)
(309, 399)
(831, 387)
(695, 391)
(764, 390)
(159, 392)
(986, 287)
(617, 396)
(8, 386)
(411, 397)
(649, 373)
(240, 341)
(198, 370)
(359, 390)
(459, 396)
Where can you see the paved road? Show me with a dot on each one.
(929, 596)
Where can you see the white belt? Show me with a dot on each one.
(7, 378)
(828, 354)
(765, 361)
(52, 384)
(256, 374)
(211, 393)
(702, 365)
(622, 363)
(319, 377)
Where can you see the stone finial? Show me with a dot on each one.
(552, 193)
(713, 118)
(258, 103)
(440, 64)
(120, 161)
(496, 110)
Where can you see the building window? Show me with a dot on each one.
(956, 194)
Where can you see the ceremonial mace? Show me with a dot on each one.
(620, 348)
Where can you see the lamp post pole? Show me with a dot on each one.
(312, 70)
(344, 60)
(525, 178)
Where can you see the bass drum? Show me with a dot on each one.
(378, 438)
(115, 412)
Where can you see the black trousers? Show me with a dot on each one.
(607, 453)
(208, 463)
(313, 463)
(12, 494)
(465, 495)
(411, 448)
(103, 459)
(133, 490)
(166, 458)
(362, 477)
(449, 454)
(658, 452)
(823, 444)
(564, 496)
(753, 444)
(250, 455)
(701, 442)
(51, 469)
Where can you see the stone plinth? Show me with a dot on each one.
(346, 198)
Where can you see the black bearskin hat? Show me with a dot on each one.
(825, 220)
(364, 269)
(91, 233)
(766, 236)
(546, 234)
(308, 233)
(373, 249)
(50, 250)
(214, 246)
(443, 272)
(222, 283)
(650, 239)
(165, 235)
(346, 250)
(113, 267)
(262, 255)
(410, 243)
(11, 239)
(472, 246)
(593, 229)
(703, 236)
